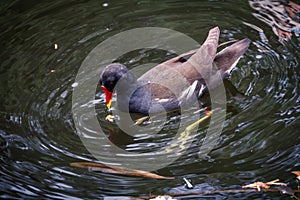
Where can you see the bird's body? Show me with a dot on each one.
(176, 82)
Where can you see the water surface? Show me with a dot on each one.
(38, 139)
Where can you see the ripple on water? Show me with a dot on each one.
(38, 138)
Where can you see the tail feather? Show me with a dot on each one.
(228, 57)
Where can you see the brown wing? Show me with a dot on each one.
(176, 79)
(178, 60)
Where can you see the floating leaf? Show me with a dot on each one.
(257, 185)
(261, 185)
(297, 173)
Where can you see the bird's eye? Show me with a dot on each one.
(111, 85)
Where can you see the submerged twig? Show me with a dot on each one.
(117, 170)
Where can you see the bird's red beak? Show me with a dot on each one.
(108, 96)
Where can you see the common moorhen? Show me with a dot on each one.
(174, 83)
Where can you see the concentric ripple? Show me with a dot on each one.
(38, 139)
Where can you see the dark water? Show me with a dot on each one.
(38, 138)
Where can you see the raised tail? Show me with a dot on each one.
(229, 57)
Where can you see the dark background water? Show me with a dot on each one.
(38, 140)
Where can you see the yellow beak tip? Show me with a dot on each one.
(108, 105)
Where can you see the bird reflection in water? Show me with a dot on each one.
(282, 16)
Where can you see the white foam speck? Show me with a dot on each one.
(74, 84)
(258, 56)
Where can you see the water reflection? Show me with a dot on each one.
(282, 16)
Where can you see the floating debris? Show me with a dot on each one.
(188, 183)
(166, 197)
(297, 173)
(261, 185)
(117, 170)
(257, 185)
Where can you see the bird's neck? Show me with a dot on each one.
(125, 89)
